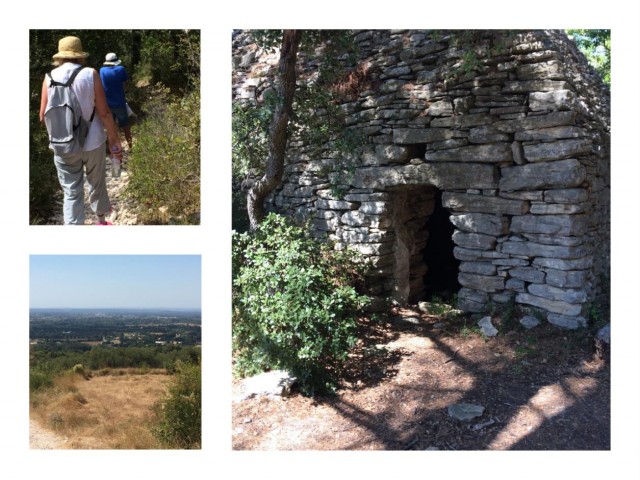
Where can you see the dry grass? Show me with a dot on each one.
(104, 412)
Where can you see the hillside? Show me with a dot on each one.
(113, 411)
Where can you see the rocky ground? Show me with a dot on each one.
(538, 389)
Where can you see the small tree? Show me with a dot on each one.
(278, 129)
(305, 106)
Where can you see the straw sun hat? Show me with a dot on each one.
(70, 47)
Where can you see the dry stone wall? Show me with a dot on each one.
(512, 140)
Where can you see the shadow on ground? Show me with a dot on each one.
(541, 390)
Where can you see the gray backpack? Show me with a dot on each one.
(63, 117)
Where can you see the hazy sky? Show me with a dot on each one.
(114, 281)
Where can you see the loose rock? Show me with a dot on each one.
(274, 383)
(487, 327)
(465, 411)
(529, 322)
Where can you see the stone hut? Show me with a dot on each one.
(485, 169)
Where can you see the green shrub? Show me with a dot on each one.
(165, 163)
(39, 380)
(181, 412)
(294, 304)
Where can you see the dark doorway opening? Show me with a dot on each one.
(442, 275)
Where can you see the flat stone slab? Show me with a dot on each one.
(274, 383)
(444, 175)
(481, 223)
(567, 321)
(487, 327)
(490, 153)
(529, 322)
(465, 411)
(467, 203)
(535, 176)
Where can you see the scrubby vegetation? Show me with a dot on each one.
(295, 304)
(47, 363)
(165, 166)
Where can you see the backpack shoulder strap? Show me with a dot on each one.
(52, 82)
(73, 76)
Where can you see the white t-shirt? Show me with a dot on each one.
(83, 89)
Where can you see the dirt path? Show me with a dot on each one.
(115, 186)
(42, 439)
(541, 390)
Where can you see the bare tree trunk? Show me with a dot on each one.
(277, 130)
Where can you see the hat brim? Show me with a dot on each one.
(113, 63)
(70, 54)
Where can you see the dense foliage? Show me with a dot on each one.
(152, 57)
(294, 304)
(180, 414)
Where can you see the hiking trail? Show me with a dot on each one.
(42, 439)
(115, 186)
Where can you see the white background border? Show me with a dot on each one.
(212, 240)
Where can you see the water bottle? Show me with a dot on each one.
(115, 162)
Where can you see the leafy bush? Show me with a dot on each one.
(181, 411)
(165, 164)
(294, 304)
(169, 56)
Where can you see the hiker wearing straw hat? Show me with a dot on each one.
(89, 159)
(114, 76)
